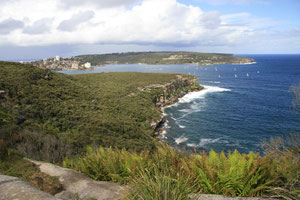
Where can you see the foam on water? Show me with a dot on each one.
(203, 142)
(180, 126)
(201, 94)
(181, 139)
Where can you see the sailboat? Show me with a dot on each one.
(247, 75)
(219, 76)
(235, 76)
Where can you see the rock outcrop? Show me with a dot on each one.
(80, 186)
(12, 188)
(170, 93)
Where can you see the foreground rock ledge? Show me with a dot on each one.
(12, 188)
(76, 184)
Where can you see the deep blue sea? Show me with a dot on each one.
(240, 106)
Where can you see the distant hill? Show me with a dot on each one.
(48, 115)
(163, 58)
(79, 62)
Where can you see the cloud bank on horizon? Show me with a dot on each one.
(94, 26)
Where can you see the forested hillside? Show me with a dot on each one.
(43, 112)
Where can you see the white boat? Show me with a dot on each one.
(219, 76)
(247, 75)
(258, 72)
(235, 76)
(181, 140)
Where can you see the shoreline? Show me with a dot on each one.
(160, 128)
(196, 64)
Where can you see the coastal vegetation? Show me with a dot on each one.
(49, 116)
(100, 125)
(169, 173)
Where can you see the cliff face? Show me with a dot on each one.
(169, 93)
(176, 89)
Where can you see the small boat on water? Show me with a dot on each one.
(181, 140)
(235, 76)
(247, 75)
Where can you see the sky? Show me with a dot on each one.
(36, 29)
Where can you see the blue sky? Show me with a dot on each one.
(287, 11)
(74, 27)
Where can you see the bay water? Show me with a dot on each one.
(241, 105)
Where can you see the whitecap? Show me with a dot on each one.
(180, 126)
(201, 94)
(181, 139)
(203, 142)
(191, 145)
(185, 110)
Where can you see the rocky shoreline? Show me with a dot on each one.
(170, 95)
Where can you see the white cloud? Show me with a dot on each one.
(155, 23)
(77, 19)
(39, 27)
(98, 3)
(234, 2)
(9, 25)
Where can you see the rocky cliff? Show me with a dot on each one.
(170, 93)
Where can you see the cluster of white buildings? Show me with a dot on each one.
(58, 63)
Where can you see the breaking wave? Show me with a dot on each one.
(201, 94)
(203, 142)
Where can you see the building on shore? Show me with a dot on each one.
(75, 65)
(87, 65)
(57, 58)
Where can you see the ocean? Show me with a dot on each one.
(241, 105)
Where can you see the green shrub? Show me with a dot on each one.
(234, 174)
(3, 149)
(285, 156)
(160, 185)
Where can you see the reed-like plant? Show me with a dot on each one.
(232, 175)
(161, 185)
(168, 173)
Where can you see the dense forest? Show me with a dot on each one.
(162, 58)
(48, 115)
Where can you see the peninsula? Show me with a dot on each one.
(172, 57)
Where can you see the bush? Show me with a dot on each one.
(36, 145)
(158, 172)
(3, 149)
(285, 155)
(160, 185)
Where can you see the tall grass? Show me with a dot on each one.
(285, 156)
(169, 173)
